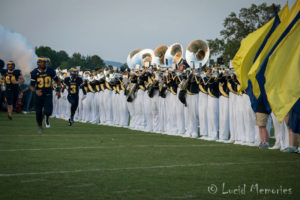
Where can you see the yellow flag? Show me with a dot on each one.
(283, 73)
(285, 18)
(243, 59)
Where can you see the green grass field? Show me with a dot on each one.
(99, 162)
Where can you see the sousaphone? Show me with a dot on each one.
(197, 54)
(173, 54)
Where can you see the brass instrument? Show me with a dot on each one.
(197, 54)
(173, 54)
(131, 93)
(159, 55)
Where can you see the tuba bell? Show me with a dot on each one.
(140, 58)
(197, 54)
(159, 55)
(173, 54)
(131, 56)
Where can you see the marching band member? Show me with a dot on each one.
(223, 108)
(213, 106)
(203, 96)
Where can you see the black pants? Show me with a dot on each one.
(73, 100)
(43, 106)
(12, 96)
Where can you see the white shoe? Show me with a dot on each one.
(244, 143)
(251, 144)
(290, 150)
(204, 138)
(211, 139)
(186, 136)
(275, 147)
(47, 124)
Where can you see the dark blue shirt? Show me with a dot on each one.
(9, 77)
(43, 80)
(73, 85)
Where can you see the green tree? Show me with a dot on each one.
(238, 26)
(46, 52)
(94, 62)
(56, 57)
(77, 60)
(61, 59)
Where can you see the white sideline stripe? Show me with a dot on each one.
(144, 167)
(126, 191)
(80, 135)
(110, 147)
(188, 196)
(32, 180)
(81, 185)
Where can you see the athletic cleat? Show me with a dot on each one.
(40, 130)
(290, 150)
(9, 117)
(263, 145)
(70, 122)
(47, 123)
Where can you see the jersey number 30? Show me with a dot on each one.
(44, 82)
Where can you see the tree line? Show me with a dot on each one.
(238, 26)
(63, 60)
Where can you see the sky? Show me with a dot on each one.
(113, 28)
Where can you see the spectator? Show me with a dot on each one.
(261, 120)
(293, 122)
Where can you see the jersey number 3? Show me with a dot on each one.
(73, 89)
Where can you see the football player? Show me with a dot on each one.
(42, 83)
(12, 78)
(73, 83)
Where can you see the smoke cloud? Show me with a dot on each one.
(14, 46)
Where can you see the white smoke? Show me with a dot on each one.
(14, 46)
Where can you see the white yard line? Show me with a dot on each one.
(110, 147)
(187, 196)
(81, 185)
(32, 180)
(80, 135)
(144, 168)
(126, 191)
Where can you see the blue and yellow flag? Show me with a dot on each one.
(250, 48)
(264, 52)
(279, 74)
